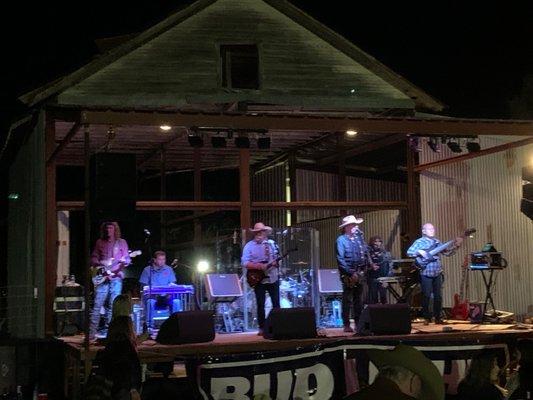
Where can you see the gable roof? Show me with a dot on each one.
(421, 99)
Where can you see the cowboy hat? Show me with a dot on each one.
(349, 220)
(258, 227)
(413, 360)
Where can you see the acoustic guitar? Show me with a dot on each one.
(255, 276)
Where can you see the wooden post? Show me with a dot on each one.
(51, 238)
(163, 196)
(292, 189)
(341, 174)
(413, 196)
(244, 184)
(197, 194)
(87, 245)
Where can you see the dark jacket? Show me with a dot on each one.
(486, 392)
(119, 363)
(381, 389)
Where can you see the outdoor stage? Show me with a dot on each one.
(460, 337)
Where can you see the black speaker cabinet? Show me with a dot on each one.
(290, 323)
(113, 186)
(187, 327)
(385, 319)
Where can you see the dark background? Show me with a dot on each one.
(477, 59)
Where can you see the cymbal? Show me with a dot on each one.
(300, 263)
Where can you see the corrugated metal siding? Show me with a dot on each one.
(385, 223)
(269, 185)
(484, 193)
(312, 185)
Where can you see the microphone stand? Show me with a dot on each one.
(148, 323)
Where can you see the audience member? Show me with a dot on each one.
(404, 373)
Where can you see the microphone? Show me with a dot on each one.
(174, 263)
(147, 232)
(234, 237)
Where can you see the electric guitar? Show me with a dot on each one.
(460, 306)
(255, 276)
(111, 268)
(431, 253)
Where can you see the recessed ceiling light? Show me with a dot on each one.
(165, 128)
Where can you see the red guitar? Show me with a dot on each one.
(460, 303)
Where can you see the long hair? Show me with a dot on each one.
(121, 328)
(103, 231)
(480, 371)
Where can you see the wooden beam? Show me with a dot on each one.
(413, 196)
(362, 148)
(469, 156)
(51, 235)
(378, 125)
(155, 205)
(64, 143)
(302, 205)
(244, 188)
(197, 180)
(163, 196)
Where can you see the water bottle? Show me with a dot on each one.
(337, 316)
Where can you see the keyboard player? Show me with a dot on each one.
(158, 274)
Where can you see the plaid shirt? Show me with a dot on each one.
(433, 268)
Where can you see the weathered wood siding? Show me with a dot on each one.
(182, 66)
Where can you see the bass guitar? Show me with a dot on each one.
(255, 276)
(110, 269)
(432, 252)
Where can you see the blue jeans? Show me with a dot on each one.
(431, 285)
(105, 291)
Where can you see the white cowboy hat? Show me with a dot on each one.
(258, 227)
(349, 220)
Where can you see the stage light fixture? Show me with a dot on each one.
(165, 128)
(218, 142)
(242, 142)
(454, 145)
(263, 142)
(473, 146)
(434, 144)
(351, 132)
(414, 144)
(202, 266)
(195, 140)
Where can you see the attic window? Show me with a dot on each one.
(240, 66)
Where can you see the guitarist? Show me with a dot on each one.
(431, 275)
(257, 253)
(109, 247)
(352, 261)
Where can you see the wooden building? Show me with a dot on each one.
(249, 69)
